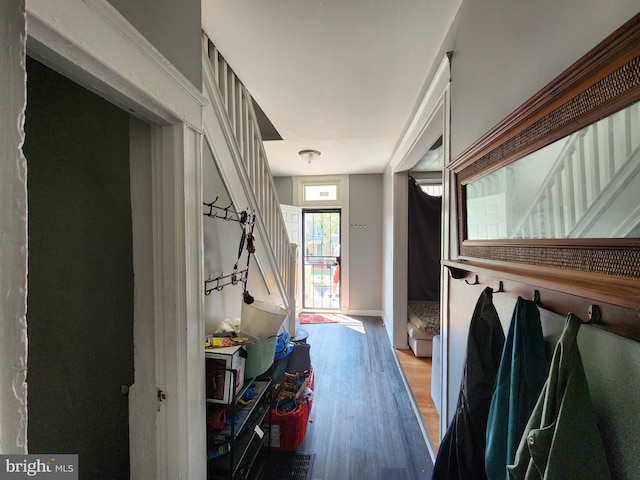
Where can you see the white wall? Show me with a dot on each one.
(174, 28)
(13, 231)
(387, 249)
(365, 255)
(284, 187)
(394, 288)
(221, 243)
(504, 52)
(365, 238)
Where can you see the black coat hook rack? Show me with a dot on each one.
(593, 314)
(476, 281)
(222, 281)
(247, 240)
(227, 213)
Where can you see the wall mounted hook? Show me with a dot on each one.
(536, 297)
(475, 281)
(594, 314)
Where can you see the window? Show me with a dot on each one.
(320, 193)
(433, 190)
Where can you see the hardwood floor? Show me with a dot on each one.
(418, 374)
(363, 424)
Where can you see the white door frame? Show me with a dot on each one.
(343, 204)
(431, 120)
(13, 232)
(91, 43)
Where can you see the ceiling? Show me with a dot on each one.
(341, 77)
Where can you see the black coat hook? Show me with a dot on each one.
(594, 314)
(500, 287)
(536, 297)
(475, 281)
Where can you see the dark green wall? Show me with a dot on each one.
(80, 298)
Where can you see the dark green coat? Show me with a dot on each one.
(522, 373)
(561, 440)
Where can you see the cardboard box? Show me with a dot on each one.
(223, 366)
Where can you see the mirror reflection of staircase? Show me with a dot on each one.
(592, 189)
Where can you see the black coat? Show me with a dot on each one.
(461, 453)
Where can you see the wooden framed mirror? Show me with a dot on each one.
(553, 191)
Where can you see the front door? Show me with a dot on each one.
(321, 259)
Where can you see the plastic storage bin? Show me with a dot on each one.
(289, 429)
(259, 357)
(262, 320)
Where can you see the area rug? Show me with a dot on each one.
(309, 318)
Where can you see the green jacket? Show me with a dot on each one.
(561, 440)
(521, 376)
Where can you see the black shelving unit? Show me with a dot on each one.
(244, 437)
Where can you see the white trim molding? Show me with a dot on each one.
(419, 136)
(13, 231)
(93, 44)
(430, 121)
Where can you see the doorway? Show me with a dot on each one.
(80, 298)
(424, 247)
(321, 274)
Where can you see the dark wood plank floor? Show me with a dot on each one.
(363, 423)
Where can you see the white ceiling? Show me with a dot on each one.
(339, 76)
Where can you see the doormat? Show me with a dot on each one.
(309, 318)
(288, 466)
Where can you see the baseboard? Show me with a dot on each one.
(364, 313)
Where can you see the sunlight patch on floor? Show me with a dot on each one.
(351, 323)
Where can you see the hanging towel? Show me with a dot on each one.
(461, 453)
(561, 439)
(521, 376)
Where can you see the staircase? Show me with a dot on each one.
(249, 178)
(592, 189)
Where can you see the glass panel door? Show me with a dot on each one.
(321, 273)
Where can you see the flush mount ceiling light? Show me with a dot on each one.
(308, 155)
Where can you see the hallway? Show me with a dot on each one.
(362, 424)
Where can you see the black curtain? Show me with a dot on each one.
(424, 244)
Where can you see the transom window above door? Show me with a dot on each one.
(320, 192)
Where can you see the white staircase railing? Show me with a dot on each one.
(590, 163)
(254, 166)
